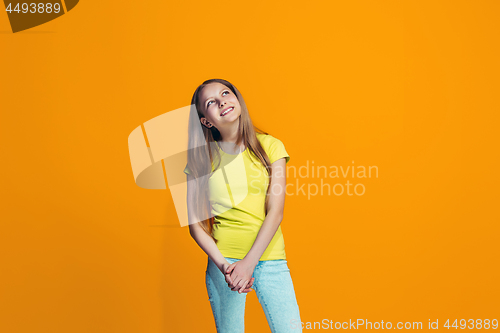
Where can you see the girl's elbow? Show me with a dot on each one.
(193, 229)
(278, 215)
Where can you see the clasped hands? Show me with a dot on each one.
(239, 275)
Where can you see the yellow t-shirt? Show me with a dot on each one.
(237, 195)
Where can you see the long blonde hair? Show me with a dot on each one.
(203, 152)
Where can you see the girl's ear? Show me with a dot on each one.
(205, 122)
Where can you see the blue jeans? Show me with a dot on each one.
(274, 288)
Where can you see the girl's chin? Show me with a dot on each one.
(231, 118)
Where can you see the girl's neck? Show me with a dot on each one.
(231, 148)
(230, 132)
(228, 139)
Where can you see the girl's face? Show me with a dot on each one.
(219, 105)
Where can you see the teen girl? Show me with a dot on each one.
(235, 197)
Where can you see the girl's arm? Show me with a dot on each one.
(206, 242)
(274, 214)
(208, 245)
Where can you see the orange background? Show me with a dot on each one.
(411, 87)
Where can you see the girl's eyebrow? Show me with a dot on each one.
(211, 96)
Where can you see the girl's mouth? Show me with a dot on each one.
(227, 111)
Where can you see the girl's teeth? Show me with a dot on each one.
(227, 111)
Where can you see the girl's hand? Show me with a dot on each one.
(241, 275)
(225, 267)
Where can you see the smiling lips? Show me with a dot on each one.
(227, 111)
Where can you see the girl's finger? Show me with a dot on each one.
(243, 287)
(231, 281)
(251, 283)
(249, 286)
(230, 268)
(236, 285)
(235, 278)
(228, 280)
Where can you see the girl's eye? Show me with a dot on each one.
(225, 91)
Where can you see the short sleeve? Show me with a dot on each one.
(277, 150)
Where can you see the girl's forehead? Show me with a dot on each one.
(212, 89)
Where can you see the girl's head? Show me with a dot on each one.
(210, 100)
(218, 105)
